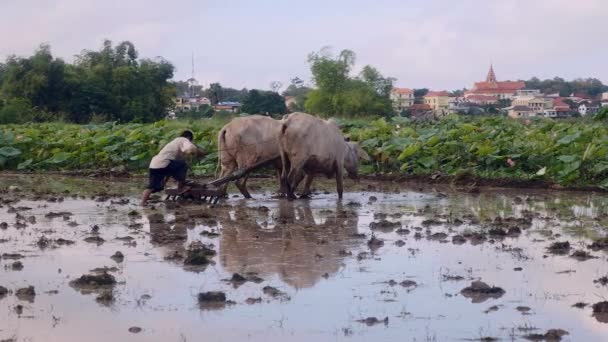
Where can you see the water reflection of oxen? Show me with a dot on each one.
(293, 242)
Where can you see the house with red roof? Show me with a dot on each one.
(493, 87)
(439, 101)
(402, 98)
(420, 109)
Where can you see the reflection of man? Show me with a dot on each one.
(169, 162)
(162, 234)
(297, 249)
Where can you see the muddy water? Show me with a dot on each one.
(317, 256)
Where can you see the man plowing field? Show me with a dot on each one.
(170, 162)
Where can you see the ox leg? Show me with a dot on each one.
(292, 182)
(227, 169)
(241, 184)
(282, 187)
(339, 183)
(307, 183)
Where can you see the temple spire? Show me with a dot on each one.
(491, 78)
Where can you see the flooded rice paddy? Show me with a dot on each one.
(81, 261)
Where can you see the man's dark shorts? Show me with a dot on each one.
(177, 169)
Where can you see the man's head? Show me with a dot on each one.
(188, 135)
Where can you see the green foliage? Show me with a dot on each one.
(112, 83)
(569, 153)
(204, 111)
(262, 102)
(589, 86)
(338, 93)
(492, 147)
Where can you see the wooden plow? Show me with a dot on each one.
(212, 191)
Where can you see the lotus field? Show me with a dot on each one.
(570, 153)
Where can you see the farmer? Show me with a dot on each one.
(169, 162)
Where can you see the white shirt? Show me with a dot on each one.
(175, 150)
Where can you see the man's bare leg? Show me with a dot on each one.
(145, 196)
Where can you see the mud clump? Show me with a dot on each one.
(581, 255)
(479, 292)
(198, 255)
(384, 225)
(275, 293)
(552, 335)
(458, 239)
(211, 296)
(63, 214)
(371, 321)
(17, 266)
(602, 281)
(135, 330)
(43, 242)
(93, 281)
(559, 248)
(251, 300)
(212, 300)
(95, 239)
(431, 222)
(402, 231)
(118, 257)
(514, 232)
(580, 305)
(105, 298)
(375, 243)
(497, 233)
(26, 293)
(523, 309)
(12, 256)
(438, 236)
(3, 291)
(599, 244)
(600, 311)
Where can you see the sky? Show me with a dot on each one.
(436, 44)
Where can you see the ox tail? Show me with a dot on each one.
(221, 145)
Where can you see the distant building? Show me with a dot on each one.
(483, 99)
(519, 112)
(401, 98)
(561, 107)
(588, 108)
(184, 103)
(418, 110)
(536, 103)
(492, 87)
(228, 106)
(439, 101)
(529, 92)
(604, 101)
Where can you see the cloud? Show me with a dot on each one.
(435, 44)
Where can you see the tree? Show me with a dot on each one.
(112, 83)
(215, 93)
(275, 86)
(300, 92)
(262, 102)
(591, 87)
(338, 93)
(420, 92)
